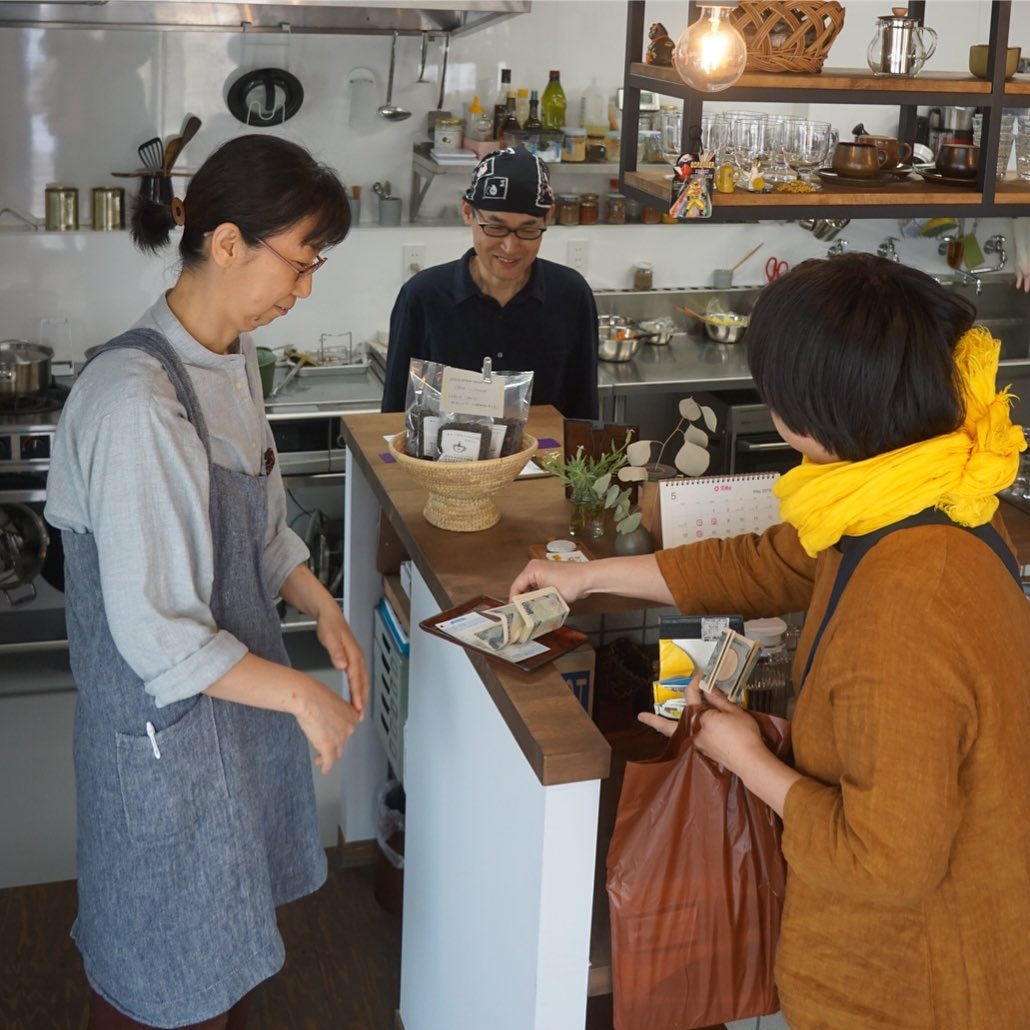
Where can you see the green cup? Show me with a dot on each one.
(266, 367)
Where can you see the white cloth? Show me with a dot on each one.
(128, 468)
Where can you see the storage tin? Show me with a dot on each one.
(62, 208)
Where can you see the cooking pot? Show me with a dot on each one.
(24, 540)
(24, 368)
(617, 338)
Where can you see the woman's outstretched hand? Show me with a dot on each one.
(570, 579)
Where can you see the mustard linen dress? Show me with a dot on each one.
(908, 843)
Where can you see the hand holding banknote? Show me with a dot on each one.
(526, 617)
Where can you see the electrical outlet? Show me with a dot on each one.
(413, 259)
(577, 254)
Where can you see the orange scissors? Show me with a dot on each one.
(774, 268)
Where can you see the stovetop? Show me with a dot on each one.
(34, 412)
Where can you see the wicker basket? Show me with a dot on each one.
(782, 36)
(461, 492)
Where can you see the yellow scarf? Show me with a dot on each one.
(960, 473)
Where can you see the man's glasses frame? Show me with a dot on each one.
(528, 233)
(301, 271)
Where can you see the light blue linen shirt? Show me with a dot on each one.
(129, 468)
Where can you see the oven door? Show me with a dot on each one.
(763, 452)
(31, 567)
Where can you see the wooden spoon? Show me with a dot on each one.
(691, 311)
(754, 250)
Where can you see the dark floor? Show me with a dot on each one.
(342, 967)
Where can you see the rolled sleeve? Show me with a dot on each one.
(198, 671)
(283, 553)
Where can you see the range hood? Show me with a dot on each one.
(316, 16)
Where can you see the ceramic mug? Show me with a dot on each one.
(958, 160)
(897, 151)
(858, 160)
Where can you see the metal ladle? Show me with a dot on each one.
(390, 111)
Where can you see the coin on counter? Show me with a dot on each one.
(560, 546)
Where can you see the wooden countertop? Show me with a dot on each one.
(558, 738)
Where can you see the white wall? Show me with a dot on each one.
(77, 102)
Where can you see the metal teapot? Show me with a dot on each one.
(901, 46)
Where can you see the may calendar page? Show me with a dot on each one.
(717, 506)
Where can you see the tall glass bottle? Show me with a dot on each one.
(552, 104)
(501, 102)
(533, 123)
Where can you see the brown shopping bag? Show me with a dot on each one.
(695, 886)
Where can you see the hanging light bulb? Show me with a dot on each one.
(710, 54)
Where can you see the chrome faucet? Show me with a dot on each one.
(994, 245)
(886, 249)
(968, 279)
(837, 248)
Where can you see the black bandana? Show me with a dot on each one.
(511, 180)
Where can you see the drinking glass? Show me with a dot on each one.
(1023, 146)
(747, 135)
(1005, 139)
(774, 160)
(809, 145)
(670, 125)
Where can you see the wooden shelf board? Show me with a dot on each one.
(1018, 85)
(901, 194)
(836, 78)
(1012, 191)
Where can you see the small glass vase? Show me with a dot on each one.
(586, 519)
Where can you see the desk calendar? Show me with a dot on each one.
(717, 506)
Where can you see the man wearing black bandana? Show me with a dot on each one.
(500, 300)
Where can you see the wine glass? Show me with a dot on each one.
(777, 143)
(808, 147)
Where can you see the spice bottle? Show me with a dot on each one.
(481, 125)
(643, 275)
(568, 209)
(615, 208)
(574, 144)
(589, 213)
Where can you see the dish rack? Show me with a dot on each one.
(337, 354)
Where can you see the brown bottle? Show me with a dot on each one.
(501, 106)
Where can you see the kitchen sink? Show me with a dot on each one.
(1004, 310)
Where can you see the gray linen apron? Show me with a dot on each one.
(182, 859)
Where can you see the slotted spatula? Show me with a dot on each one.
(152, 154)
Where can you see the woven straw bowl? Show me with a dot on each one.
(461, 492)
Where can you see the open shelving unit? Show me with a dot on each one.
(906, 198)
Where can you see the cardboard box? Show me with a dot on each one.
(578, 670)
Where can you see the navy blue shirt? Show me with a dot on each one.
(549, 327)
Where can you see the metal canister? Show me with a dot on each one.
(108, 207)
(62, 208)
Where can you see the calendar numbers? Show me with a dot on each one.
(717, 506)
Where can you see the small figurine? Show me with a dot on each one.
(659, 50)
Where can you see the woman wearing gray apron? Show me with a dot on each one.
(196, 810)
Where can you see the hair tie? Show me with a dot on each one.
(178, 211)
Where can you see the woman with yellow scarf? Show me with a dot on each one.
(906, 815)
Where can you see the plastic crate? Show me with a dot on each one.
(389, 691)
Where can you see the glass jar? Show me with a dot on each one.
(650, 215)
(632, 211)
(588, 209)
(574, 144)
(769, 688)
(643, 275)
(447, 134)
(568, 209)
(613, 147)
(615, 209)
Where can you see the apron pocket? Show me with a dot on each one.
(163, 797)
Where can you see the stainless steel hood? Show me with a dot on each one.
(316, 16)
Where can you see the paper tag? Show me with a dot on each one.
(430, 431)
(498, 431)
(467, 393)
(713, 626)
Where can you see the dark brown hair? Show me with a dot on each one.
(858, 353)
(263, 185)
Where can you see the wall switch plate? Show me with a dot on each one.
(413, 259)
(577, 254)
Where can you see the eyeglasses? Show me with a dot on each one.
(301, 270)
(498, 232)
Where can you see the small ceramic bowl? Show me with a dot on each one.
(978, 61)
